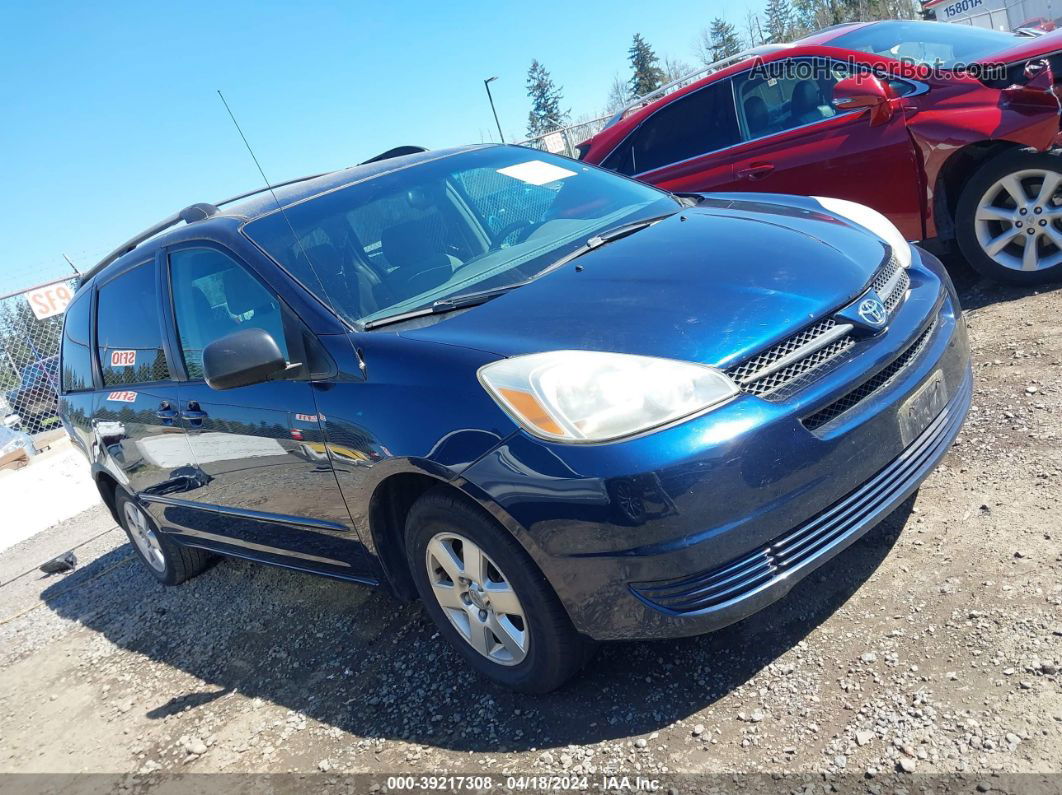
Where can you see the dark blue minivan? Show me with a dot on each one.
(555, 404)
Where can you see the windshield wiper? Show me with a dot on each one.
(482, 296)
(447, 304)
(600, 239)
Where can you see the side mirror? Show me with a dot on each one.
(244, 357)
(864, 91)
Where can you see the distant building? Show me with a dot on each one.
(1006, 15)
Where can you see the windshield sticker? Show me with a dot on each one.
(122, 397)
(536, 172)
(123, 358)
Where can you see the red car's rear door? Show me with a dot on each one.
(795, 141)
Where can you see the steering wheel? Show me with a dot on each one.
(524, 228)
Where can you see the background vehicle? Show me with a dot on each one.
(555, 404)
(36, 400)
(945, 155)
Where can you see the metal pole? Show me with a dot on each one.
(490, 97)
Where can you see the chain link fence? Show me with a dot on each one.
(31, 323)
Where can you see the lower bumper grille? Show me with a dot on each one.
(812, 543)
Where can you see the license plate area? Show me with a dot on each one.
(922, 407)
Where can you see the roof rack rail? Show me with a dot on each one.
(397, 151)
(645, 99)
(189, 215)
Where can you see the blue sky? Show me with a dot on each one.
(111, 119)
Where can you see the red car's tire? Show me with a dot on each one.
(1009, 218)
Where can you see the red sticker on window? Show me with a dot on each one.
(122, 397)
(123, 358)
(306, 417)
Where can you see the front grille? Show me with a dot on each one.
(868, 388)
(781, 370)
(811, 542)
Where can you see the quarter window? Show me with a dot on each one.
(76, 356)
(696, 124)
(128, 332)
(213, 296)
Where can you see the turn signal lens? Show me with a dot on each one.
(589, 396)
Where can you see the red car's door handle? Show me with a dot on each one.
(755, 171)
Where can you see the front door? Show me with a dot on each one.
(795, 141)
(269, 489)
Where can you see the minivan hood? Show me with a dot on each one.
(710, 284)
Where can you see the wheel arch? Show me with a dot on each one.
(953, 176)
(390, 503)
(108, 489)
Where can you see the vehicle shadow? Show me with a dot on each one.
(975, 291)
(358, 660)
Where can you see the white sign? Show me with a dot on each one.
(536, 172)
(123, 358)
(554, 142)
(49, 300)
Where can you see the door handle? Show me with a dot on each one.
(755, 171)
(166, 412)
(190, 413)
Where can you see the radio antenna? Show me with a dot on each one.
(295, 237)
(258, 165)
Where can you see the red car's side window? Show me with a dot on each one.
(696, 124)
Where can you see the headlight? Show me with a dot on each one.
(873, 221)
(588, 396)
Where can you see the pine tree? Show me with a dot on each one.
(546, 114)
(779, 20)
(647, 75)
(719, 41)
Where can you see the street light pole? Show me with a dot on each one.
(486, 85)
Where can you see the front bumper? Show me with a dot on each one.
(697, 526)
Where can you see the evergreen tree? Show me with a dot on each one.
(546, 114)
(647, 75)
(778, 16)
(719, 41)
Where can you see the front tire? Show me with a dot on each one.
(1009, 217)
(488, 598)
(168, 562)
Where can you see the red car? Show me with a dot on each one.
(948, 130)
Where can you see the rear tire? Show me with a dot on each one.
(1008, 222)
(531, 645)
(168, 562)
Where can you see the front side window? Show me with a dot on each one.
(128, 332)
(213, 296)
(477, 220)
(696, 124)
(76, 355)
(786, 94)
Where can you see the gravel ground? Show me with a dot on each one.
(933, 645)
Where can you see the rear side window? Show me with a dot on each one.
(76, 355)
(213, 296)
(696, 124)
(128, 332)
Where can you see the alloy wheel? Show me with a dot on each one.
(477, 598)
(1018, 221)
(144, 536)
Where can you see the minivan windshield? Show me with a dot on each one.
(481, 219)
(934, 44)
